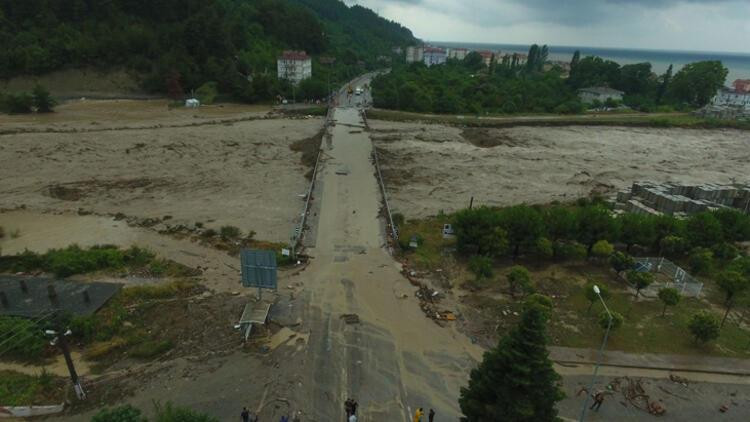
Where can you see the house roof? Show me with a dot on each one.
(294, 55)
(485, 53)
(601, 90)
(434, 50)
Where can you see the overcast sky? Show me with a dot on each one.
(703, 25)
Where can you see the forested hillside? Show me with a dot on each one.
(196, 41)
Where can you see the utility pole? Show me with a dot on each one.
(61, 341)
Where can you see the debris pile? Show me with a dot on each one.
(633, 392)
(429, 299)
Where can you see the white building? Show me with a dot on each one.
(294, 66)
(434, 55)
(457, 53)
(602, 94)
(732, 97)
(414, 54)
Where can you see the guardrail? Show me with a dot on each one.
(394, 229)
(300, 229)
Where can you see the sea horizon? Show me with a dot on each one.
(738, 64)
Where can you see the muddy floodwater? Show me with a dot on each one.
(429, 168)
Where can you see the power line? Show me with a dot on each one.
(43, 317)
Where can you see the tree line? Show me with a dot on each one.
(508, 85)
(193, 41)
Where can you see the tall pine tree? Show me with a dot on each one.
(515, 382)
(664, 85)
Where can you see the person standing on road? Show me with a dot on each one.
(598, 400)
(418, 415)
(431, 416)
(245, 415)
(348, 408)
(354, 407)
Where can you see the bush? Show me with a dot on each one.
(725, 251)
(544, 248)
(621, 262)
(207, 92)
(150, 348)
(673, 245)
(481, 266)
(42, 100)
(704, 326)
(569, 250)
(230, 232)
(602, 249)
(125, 413)
(16, 104)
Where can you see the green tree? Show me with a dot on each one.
(602, 249)
(596, 224)
(207, 92)
(617, 320)
(16, 104)
(636, 229)
(523, 224)
(669, 296)
(515, 381)
(640, 280)
(666, 79)
(735, 225)
(124, 413)
(591, 295)
(732, 284)
(621, 262)
(519, 277)
(478, 231)
(42, 100)
(481, 266)
(703, 229)
(704, 326)
(696, 83)
(701, 261)
(673, 245)
(544, 248)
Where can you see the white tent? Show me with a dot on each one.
(192, 103)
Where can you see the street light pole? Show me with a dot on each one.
(601, 354)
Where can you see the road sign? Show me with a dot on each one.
(258, 268)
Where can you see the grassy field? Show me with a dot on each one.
(679, 120)
(19, 389)
(489, 307)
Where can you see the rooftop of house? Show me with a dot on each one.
(601, 90)
(485, 53)
(294, 55)
(434, 50)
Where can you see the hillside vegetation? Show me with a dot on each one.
(192, 42)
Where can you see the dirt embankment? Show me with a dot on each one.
(429, 168)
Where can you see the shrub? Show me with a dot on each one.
(207, 92)
(544, 248)
(569, 250)
(704, 327)
(16, 104)
(602, 249)
(398, 219)
(209, 233)
(42, 100)
(673, 245)
(229, 232)
(125, 413)
(481, 266)
(150, 348)
(617, 320)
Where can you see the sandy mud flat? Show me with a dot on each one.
(429, 168)
(242, 174)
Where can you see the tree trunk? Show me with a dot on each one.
(726, 314)
(664, 311)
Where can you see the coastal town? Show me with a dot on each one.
(301, 210)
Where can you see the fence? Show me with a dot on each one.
(681, 279)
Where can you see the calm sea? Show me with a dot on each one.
(737, 63)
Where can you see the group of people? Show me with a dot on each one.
(350, 407)
(420, 413)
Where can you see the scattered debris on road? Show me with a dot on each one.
(350, 318)
(635, 394)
